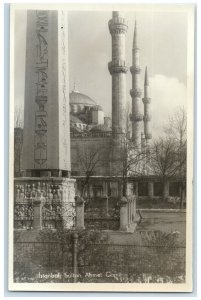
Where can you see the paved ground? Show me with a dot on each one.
(163, 220)
(166, 221)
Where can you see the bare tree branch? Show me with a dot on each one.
(18, 117)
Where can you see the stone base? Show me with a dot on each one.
(56, 195)
(133, 226)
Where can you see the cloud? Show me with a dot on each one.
(166, 94)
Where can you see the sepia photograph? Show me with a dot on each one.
(101, 147)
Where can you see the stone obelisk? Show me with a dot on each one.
(46, 149)
(46, 145)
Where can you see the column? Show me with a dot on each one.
(166, 189)
(136, 188)
(123, 214)
(79, 202)
(37, 221)
(150, 189)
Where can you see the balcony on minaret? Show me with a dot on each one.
(117, 66)
(136, 117)
(136, 93)
(118, 25)
(135, 69)
(146, 100)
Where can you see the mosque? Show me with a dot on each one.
(96, 140)
(91, 132)
(86, 116)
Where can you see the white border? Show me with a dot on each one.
(190, 170)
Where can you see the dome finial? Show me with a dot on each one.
(74, 87)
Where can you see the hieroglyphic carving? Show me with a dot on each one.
(41, 98)
(41, 32)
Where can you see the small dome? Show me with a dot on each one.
(78, 98)
(74, 119)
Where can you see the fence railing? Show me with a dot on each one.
(102, 218)
(23, 215)
(36, 213)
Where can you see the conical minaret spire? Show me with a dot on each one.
(146, 82)
(135, 92)
(146, 100)
(135, 36)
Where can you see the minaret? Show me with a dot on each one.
(118, 69)
(146, 100)
(136, 116)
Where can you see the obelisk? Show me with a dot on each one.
(46, 149)
(46, 146)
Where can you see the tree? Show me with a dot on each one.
(89, 158)
(130, 158)
(18, 117)
(177, 126)
(164, 162)
(176, 129)
(133, 160)
(168, 153)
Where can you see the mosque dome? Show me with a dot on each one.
(80, 99)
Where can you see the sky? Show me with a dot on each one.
(162, 39)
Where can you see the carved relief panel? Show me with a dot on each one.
(41, 90)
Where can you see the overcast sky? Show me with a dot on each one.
(162, 39)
